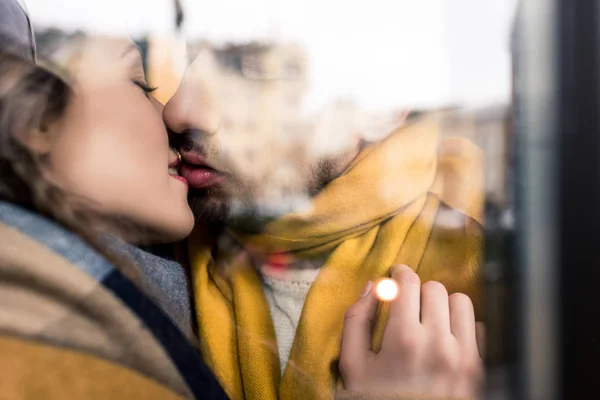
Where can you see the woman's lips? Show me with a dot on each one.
(200, 177)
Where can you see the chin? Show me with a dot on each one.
(179, 227)
(245, 214)
(208, 207)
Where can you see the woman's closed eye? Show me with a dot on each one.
(144, 86)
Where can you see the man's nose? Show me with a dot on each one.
(194, 107)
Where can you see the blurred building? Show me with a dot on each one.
(52, 41)
(165, 62)
(488, 128)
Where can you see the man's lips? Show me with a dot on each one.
(198, 173)
(194, 158)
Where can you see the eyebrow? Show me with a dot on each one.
(131, 48)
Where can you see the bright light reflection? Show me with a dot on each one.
(386, 290)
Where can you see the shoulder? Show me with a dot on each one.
(32, 369)
(46, 298)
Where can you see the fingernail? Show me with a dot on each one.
(367, 290)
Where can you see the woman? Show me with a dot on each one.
(86, 170)
(75, 163)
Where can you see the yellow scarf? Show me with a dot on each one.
(410, 199)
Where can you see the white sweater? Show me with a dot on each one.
(286, 291)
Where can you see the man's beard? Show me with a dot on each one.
(237, 203)
(208, 205)
(215, 208)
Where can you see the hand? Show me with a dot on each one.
(429, 345)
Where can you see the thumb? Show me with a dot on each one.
(356, 337)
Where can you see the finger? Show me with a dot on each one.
(356, 337)
(435, 311)
(404, 310)
(481, 338)
(462, 320)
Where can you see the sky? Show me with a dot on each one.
(382, 53)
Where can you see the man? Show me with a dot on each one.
(304, 224)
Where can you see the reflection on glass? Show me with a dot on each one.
(344, 140)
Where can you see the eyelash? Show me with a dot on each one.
(147, 89)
